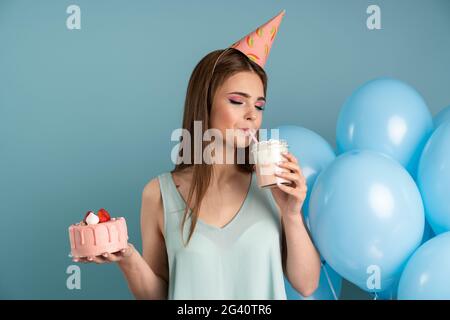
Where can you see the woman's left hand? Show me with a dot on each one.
(290, 198)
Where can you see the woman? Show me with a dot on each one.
(230, 242)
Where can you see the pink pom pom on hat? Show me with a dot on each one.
(257, 44)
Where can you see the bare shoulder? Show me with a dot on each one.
(152, 229)
(152, 205)
(152, 190)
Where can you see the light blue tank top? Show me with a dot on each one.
(241, 260)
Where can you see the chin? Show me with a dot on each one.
(239, 143)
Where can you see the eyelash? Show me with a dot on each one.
(239, 103)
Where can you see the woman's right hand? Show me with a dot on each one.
(109, 257)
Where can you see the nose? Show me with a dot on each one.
(251, 115)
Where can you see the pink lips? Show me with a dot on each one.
(249, 132)
(245, 130)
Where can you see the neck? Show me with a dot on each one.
(224, 172)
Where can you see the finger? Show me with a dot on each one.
(124, 253)
(304, 188)
(290, 157)
(99, 260)
(82, 260)
(118, 255)
(301, 177)
(303, 194)
(293, 192)
(289, 176)
(302, 182)
(290, 165)
(110, 257)
(287, 189)
(128, 251)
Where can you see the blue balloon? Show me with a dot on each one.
(388, 294)
(391, 293)
(434, 179)
(387, 116)
(426, 275)
(330, 285)
(312, 152)
(442, 117)
(366, 217)
(428, 232)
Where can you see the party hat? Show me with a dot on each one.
(257, 44)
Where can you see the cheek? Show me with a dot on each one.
(259, 119)
(224, 117)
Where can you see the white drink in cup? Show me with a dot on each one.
(266, 154)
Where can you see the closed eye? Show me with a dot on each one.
(234, 102)
(260, 108)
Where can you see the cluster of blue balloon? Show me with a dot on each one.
(371, 208)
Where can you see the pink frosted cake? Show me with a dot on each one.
(98, 234)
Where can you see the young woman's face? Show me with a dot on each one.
(238, 104)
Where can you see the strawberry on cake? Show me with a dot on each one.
(98, 234)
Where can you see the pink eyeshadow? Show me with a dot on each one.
(236, 98)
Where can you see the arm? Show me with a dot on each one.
(301, 261)
(300, 257)
(147, 275)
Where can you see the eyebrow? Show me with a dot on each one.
(246, 95)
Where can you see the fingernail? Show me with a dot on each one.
(123, 250)
(75, 260)
(90, 259)
(105, 254)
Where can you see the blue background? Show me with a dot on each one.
(86, 115)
